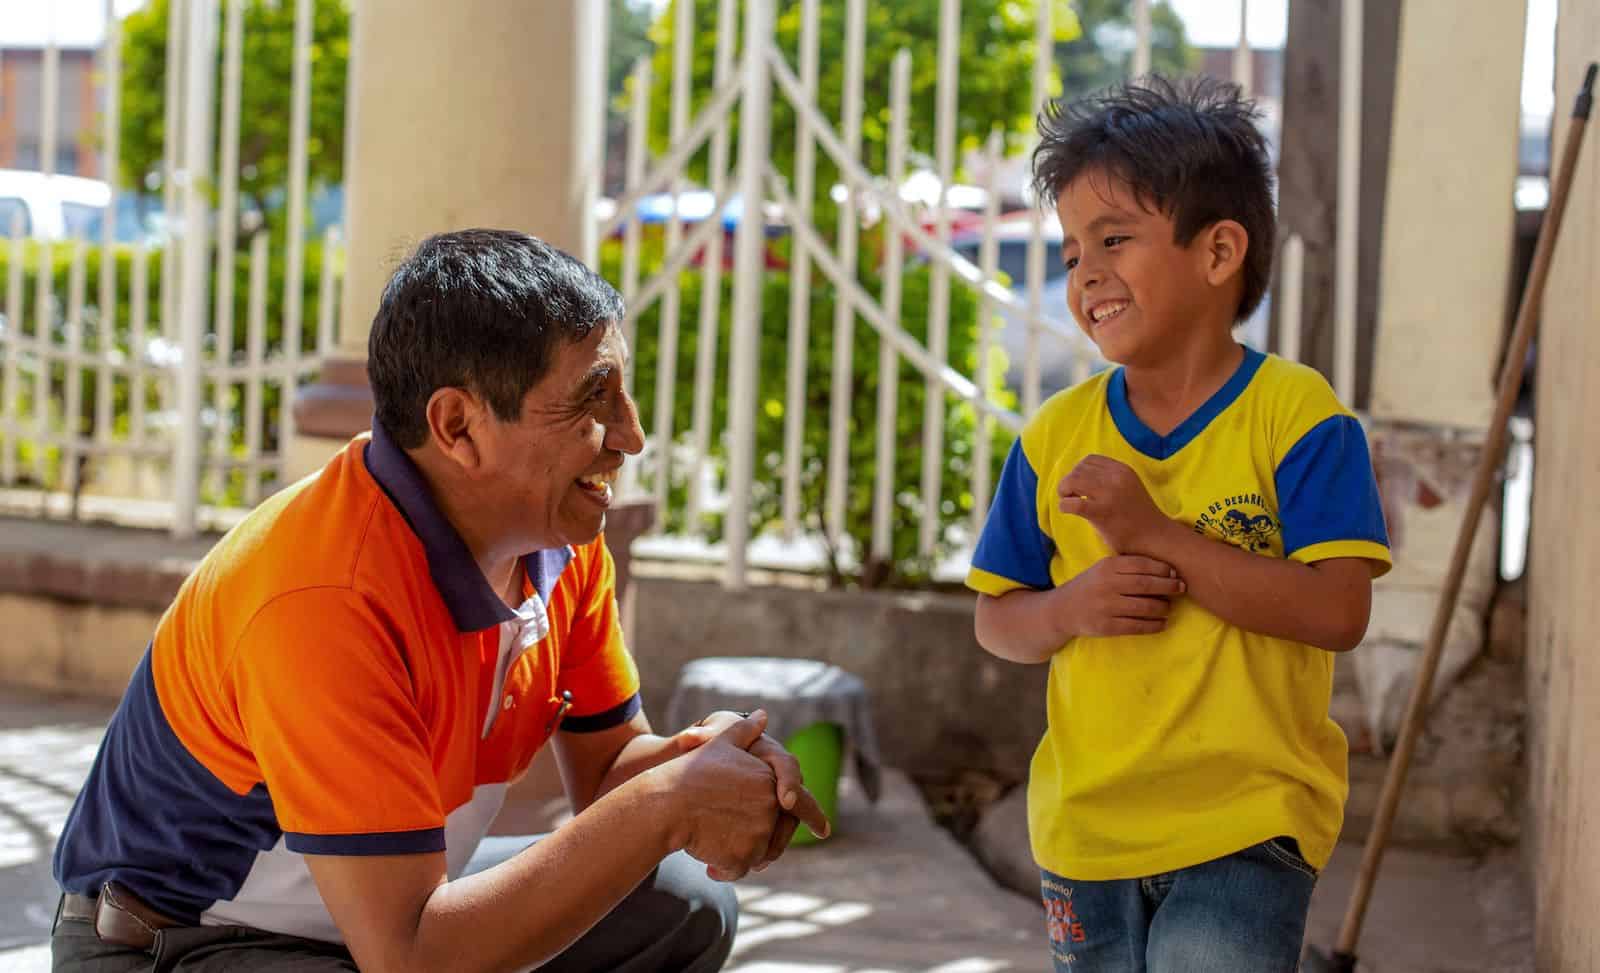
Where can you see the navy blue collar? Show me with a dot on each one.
(1145, 440)
(472, 602)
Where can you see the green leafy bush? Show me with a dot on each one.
(906, 566)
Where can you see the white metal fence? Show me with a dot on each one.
(186, 406)
(763, 70)
(183, 391)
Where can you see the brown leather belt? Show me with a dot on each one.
(119, 917)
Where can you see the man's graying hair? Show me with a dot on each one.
(480, 310)
(1190, 150)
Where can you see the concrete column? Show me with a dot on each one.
(469, 113)
(1443, 244)
(1563, 666)
(1449, 218)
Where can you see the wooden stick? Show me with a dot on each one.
(1510, 382)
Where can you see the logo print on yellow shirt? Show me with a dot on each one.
(1242, 521)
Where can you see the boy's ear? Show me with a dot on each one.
(1226, 243)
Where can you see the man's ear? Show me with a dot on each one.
(455, 421)
(1225, 244)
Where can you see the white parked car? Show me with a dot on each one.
(51, 207)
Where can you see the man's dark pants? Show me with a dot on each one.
(676, 921)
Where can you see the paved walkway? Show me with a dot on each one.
(890, 893)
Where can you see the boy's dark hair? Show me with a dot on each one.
(1189, 149)
(477, 309)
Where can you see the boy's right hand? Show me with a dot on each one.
(1122, 595)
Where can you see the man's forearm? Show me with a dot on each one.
(1272, 596)
(515, 915)
(528, 909)
(639, 755)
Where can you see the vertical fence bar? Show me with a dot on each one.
(638, 128)
(192, 300)
(632, 229)
(667, 336)
(256, 356)
(139, 339)
(794, 409)
(328, 295)
(50, 99)
(167, 301)
(988, 261)
(844, 314)
(944, 124)
(49, 132)
(72, 411)
(227, 230)
(1043, 63)
(1243, 63)
(172, 141)
(1349, 212)
(111, 67)
(744, 355)
(1292, 295)
(13, 352)
(1141, 37)
(596, 89)
(294, 256)
(705, 355)
(883, 492)
(43, 346)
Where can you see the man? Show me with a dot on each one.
(324, 726)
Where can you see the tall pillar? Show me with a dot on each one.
(461, 114)
(1449, 218)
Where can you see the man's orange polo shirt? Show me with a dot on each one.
(337, 678)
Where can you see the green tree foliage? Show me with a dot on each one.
(961, 432)
(1102, 54)
(629, 32)
(264, 116)
(994, 87)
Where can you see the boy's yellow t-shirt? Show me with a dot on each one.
(1165, 751)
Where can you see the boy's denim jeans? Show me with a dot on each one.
(1245, 913)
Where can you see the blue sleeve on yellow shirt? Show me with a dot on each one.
(1012, 545)
(1327, 490)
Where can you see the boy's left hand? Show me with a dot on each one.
(1110, 495)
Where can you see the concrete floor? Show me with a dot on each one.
(890, 893)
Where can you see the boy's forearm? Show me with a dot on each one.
(1024, 625)
(1272, 596)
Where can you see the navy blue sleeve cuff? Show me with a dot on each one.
(615, 716)
(377, 843)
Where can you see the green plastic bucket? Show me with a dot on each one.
(819, 748)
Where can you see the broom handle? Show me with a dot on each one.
(1510, 382)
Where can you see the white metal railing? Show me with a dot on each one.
(839, 141)
(201, 409)
(150, 370)
(836, 262)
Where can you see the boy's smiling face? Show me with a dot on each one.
(1140, 296)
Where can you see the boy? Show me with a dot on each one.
(1187, 540)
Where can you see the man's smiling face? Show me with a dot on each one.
(550, 473)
